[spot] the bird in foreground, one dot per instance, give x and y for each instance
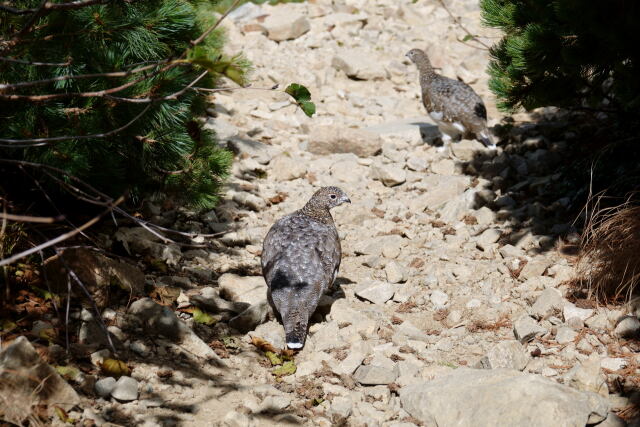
(300, 260)
(452, 104)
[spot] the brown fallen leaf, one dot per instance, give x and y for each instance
(263, 345)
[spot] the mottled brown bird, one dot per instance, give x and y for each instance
(300, 260)
(452, 104)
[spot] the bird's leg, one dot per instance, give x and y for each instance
(446, 141)
(486, 139)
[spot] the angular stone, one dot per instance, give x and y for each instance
(443, 167)
(439, 299)
(628, 327)
(359, 65)
(487, 238)
(389, 175)
(377, 292)
(467, 149)
(247, 289)
(155, 318)
(286, 168)
(534, 268)
(209, 299)
(526, 328)
(27, 380)
(375, 375)
(105, 386)
(565, 335)
(249, 319)
(570, 311)
(549, 303)
(395, 272)
(285, 25)
(333, 139)
(506, 354)
(126, 389)
(257, 150)
(478, 397)
(587, 376)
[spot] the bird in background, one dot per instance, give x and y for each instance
(453, 105)
(300, 261)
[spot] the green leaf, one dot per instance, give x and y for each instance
(308, 107)
(317, 401)
(203, 317)
(273, 358)
(7, 325)
(298, 92)
(287, 368)
(64, 417)
(68, 372)
(468, 37)
(302, 96)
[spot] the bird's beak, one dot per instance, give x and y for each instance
(345, 199)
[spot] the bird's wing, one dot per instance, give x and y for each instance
(456, 100)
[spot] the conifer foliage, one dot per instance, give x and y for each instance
(565, 53)
(106, 90)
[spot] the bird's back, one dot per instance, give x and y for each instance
(455, 100)
(300, 255)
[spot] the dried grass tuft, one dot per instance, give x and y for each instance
(608, 264)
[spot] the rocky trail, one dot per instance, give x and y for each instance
(452, 306)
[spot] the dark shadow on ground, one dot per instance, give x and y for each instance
(548, 168)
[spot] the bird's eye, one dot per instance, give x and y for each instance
(333, 196)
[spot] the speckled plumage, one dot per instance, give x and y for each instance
(452, 104)
(300, 260)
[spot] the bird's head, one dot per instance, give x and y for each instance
(330, 197)
(418, 57)
(322, 201)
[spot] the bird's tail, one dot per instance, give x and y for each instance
(295, 329)
(486, 138)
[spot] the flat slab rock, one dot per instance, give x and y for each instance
(26, 380)
(470, 397)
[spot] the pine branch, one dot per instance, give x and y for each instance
(75, 77)
(37, 142)
(36, 64)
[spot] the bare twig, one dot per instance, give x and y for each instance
(214, 26)
(37, 64)
(75, 77)
(52, 6)
(456, 20)
(60, 238)
(34, 142)
(171, 97)
(228, 89)
(26, 218)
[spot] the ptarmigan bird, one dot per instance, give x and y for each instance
(300, 260)
(452, 104)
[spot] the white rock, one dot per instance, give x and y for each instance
(628, 327)
(439, 299)
(390, 175)
(286, 168)
(505, 354)
(395, 272)
(374, 375)
(487, 238)
(285, 24)
(359, 65)
(377, 292)
(335, 139)
(126, 389)
(478, 397)
(613, 363)
(565, 335)
(526, 328)
(548, 304)
(105, 386)
(247, 289)
(570, 311)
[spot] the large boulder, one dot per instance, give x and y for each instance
(470, 397)
(334, 139)
(27, 381)
(97, 272)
